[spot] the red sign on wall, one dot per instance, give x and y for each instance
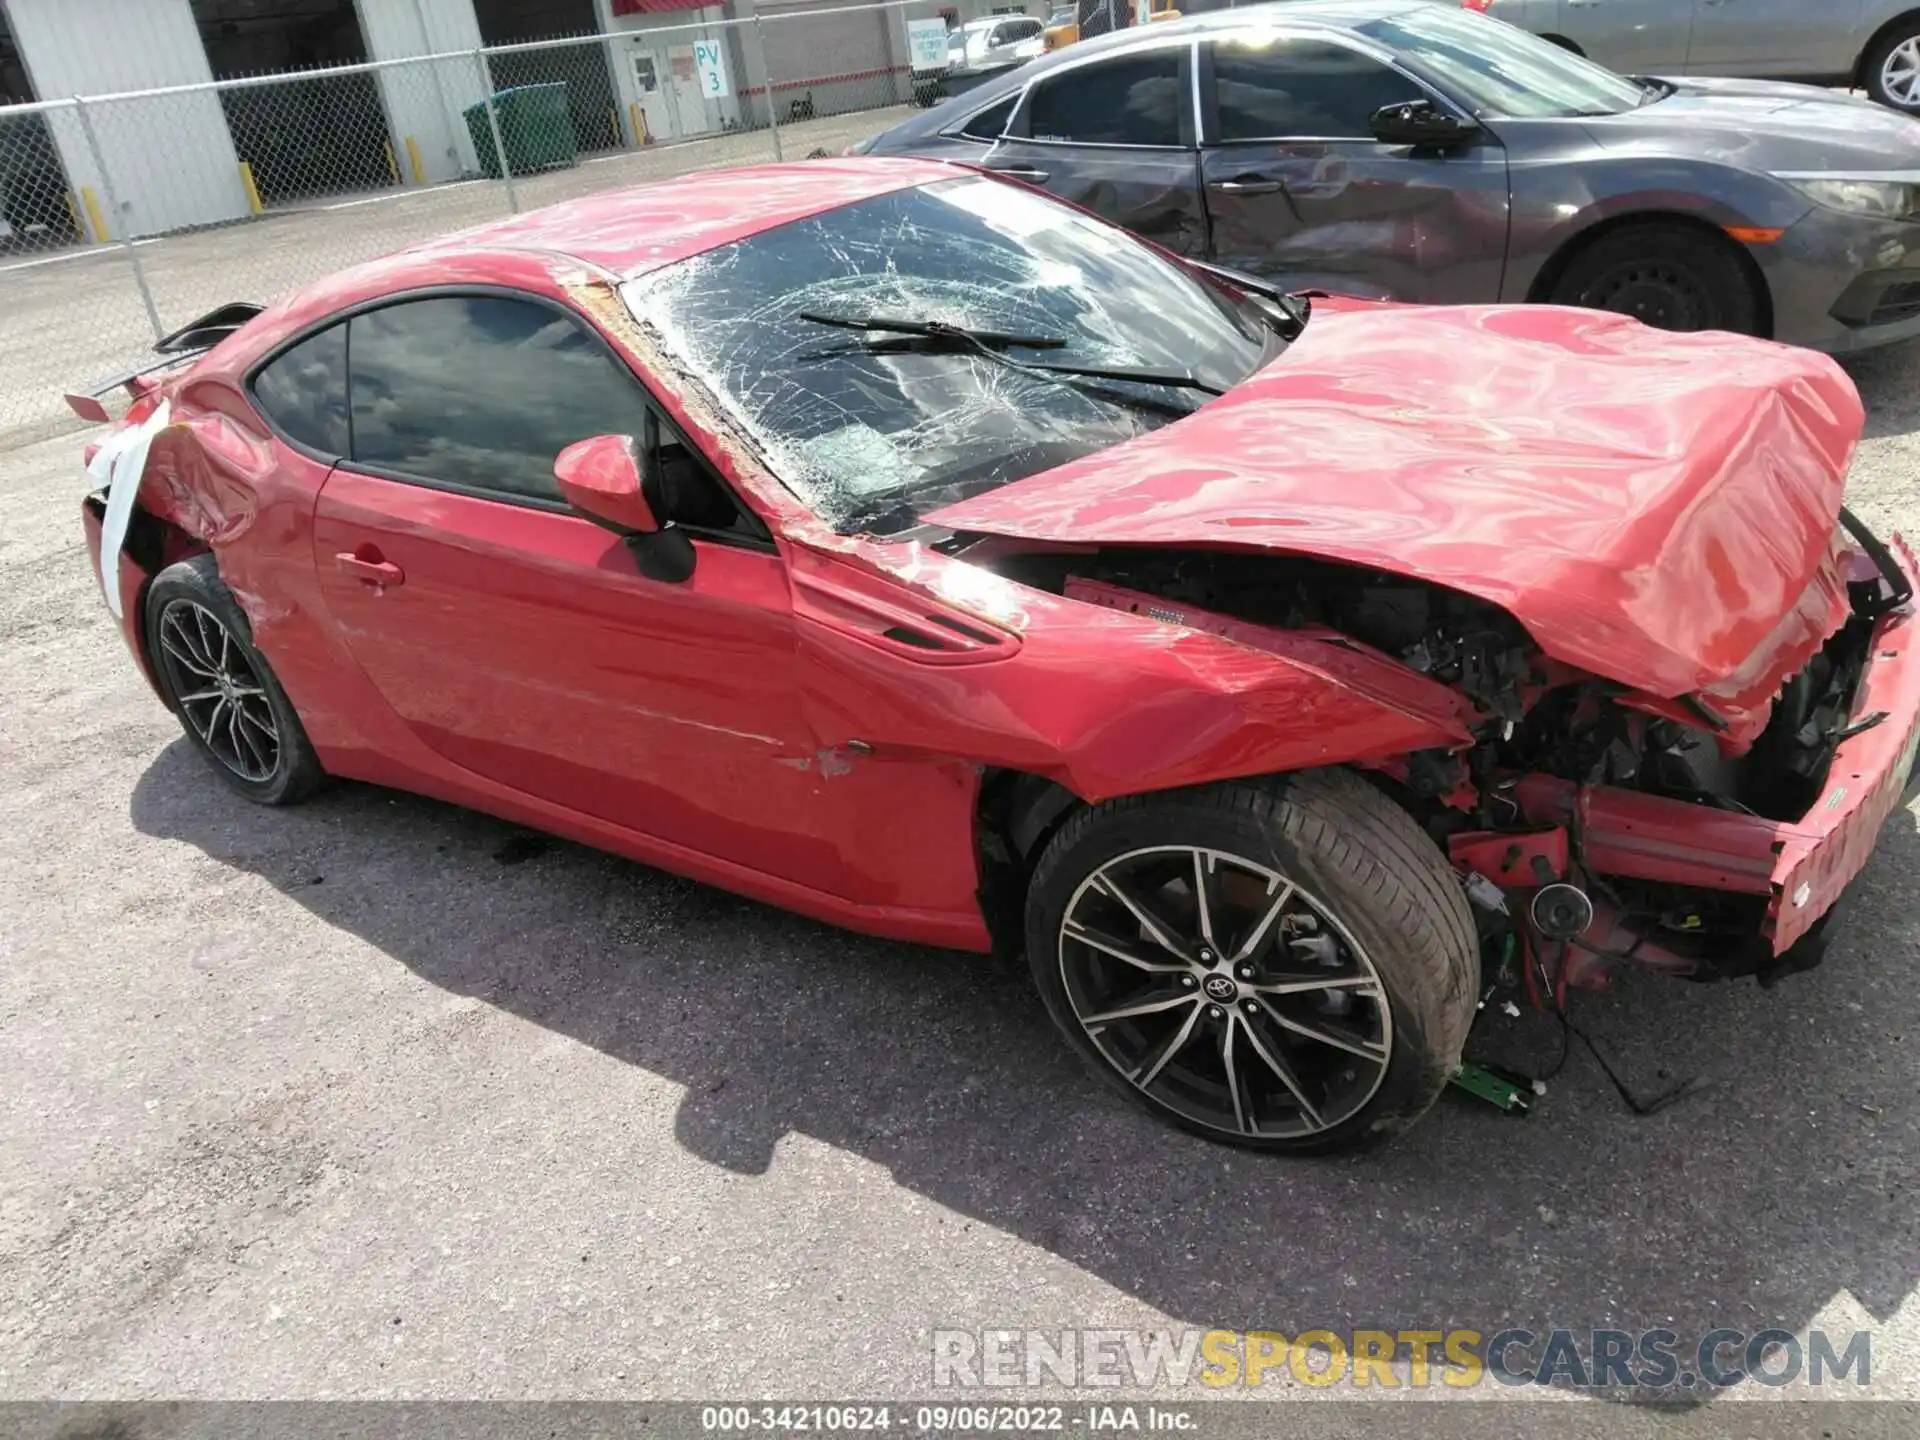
(654, 7)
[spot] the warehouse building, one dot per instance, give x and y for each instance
(134, 164)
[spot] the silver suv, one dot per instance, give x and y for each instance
(1870, 43)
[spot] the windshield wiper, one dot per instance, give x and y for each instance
(1294, 310)
(989, 343)
(935, 330)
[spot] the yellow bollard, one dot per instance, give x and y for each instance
(92, 202)
(73, 214)
(393, 169)
(640, 136)
(253, 193)
(413, 159)
(613, 123)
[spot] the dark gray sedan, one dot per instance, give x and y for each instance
(1423, 152)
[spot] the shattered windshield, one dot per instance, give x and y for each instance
(873, 428)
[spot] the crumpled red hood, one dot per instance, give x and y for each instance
(1650, 506)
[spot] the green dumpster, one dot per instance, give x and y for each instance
(535, 127)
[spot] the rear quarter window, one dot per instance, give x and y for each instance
(991, 122)
(1136, 100)
(303, 392)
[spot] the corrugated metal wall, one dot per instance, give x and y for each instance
(825, 63)
(96, 47)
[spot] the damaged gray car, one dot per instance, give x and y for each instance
(1410, 151)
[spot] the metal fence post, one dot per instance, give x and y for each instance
(493, 125)
(113, 209)
(766, 68)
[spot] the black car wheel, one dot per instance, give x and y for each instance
(1287, 965)
(1891, 68)
(1673, 277)
(228, 700)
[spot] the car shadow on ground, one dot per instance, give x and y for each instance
(1884, 379)
(1786, 1179)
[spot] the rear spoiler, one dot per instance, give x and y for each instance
(195, 338)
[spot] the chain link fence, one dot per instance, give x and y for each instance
(124, 216)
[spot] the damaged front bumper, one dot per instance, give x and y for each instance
(1801, 866)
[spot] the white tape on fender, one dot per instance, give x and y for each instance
(118, 465)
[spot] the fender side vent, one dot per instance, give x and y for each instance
(892, 616)
(900, 634)
(978, 636)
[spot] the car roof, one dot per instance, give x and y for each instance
(633, 231)
(1335, 13)
(1309, 14)
(1326, 14)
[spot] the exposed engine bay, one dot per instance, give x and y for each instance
(1548, 738)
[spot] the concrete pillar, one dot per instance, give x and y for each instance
(426, 100)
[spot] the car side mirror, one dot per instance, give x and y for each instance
(1420, 122)
(606, 480)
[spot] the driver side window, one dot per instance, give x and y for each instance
(695, 497)
(1301, 89)
(479, 394)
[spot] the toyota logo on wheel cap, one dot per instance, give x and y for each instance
(1219, 987)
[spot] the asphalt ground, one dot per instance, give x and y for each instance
(377, 1098)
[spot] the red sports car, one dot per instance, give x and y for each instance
(898, 545)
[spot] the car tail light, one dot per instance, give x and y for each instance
(1479, 6)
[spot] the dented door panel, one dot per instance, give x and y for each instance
(1153, 193)
(526, 646)
(1361, 218)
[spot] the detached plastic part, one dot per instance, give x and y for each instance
(117, 467)
(1510, 1094)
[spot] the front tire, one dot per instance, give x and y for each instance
(1891, 69)
(1287, 965)
(222, 689)
(1670, 276)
